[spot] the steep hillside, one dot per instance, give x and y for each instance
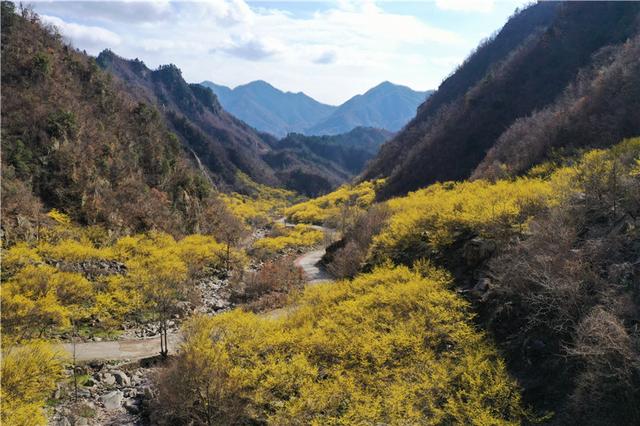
(271, 110)
(601, 107)
(386, 106)
(340, 156)
(74, 141)
(543, 53)
(223, 143)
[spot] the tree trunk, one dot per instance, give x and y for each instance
(162, 351)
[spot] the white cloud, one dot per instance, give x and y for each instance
(332, 53)
(326, 57)
(129, 11)
(254, 49)
(84, 35)
(466, 5)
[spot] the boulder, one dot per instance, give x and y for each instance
(109, 379)
(121, 378)
(131, 405)
(111, 400)
(81, 421)
(84, 392)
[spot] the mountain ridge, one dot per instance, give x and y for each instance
(539, 54)
(274, 111)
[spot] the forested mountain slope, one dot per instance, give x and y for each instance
(72, 139)
(222, 142)
(271, 110)
(226, 145)
(541, 55)
(345, 155)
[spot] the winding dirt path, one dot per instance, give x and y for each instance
(135, 349)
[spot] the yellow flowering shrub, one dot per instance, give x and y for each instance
(29, 375)
(263, 203)
(40, 295)
(432, 218)
(289, 237)
(330, 209)
(390, 347)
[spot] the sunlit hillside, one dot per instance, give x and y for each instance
(165, 263)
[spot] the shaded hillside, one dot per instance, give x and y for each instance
(601, 107)
(343, 156)
(526, 67)
(73, 140)
(271, 110)
(223, 143)
(386, 106)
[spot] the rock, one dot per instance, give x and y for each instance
(62, 421)
(97, 339)
(482, 285)
(112, 400)
(131, 405)
(109, 379)
(130, 392)
(146, 392)
(478, 250)
(81, 421)
(121, 378)
(96, 365)
(83, 392)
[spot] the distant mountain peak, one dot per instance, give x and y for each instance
(274, 111)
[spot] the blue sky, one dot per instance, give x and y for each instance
(329, 50)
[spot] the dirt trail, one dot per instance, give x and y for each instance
(134, 349)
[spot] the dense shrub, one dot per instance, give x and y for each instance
(389, 347)
(565, 300)
(66, 277)
(29, 376)
(336, 209)
(284, 237)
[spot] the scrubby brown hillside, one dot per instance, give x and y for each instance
(223, 143)
(528, 66)
(226, 145)
(73, 140)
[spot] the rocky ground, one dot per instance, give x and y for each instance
(108, 393)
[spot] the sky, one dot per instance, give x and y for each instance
(330, 50)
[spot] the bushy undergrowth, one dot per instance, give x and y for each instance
(392, 347)
(261, 205)
(29, 376)
(337, 208)
(68, 277)
(283, 237)
(558, 278)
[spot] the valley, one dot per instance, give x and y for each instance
(179, 253)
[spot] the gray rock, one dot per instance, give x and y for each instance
(131, 405)
(109, 379)
(112, 400)
(81, 421)
(84, 392)
(62, 421)
(96, 365)
(121, 378)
